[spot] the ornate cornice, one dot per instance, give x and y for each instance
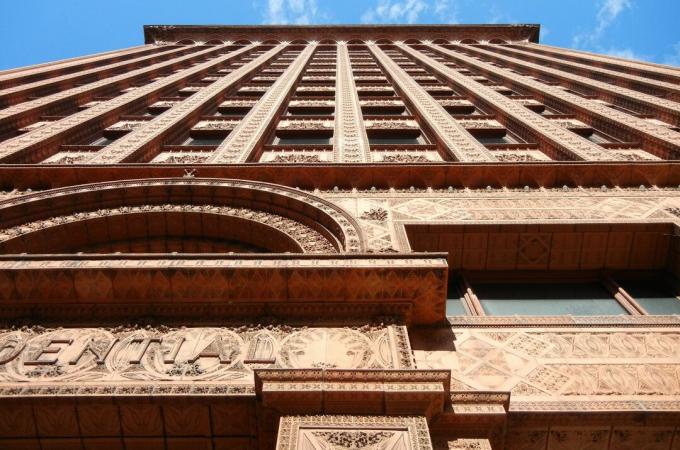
(205, 33)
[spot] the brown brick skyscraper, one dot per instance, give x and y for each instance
(340, 237)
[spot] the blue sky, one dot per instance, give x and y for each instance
(34, 31)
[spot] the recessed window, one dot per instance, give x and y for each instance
(655, 297)
(454, 304)
(202, 141)
(547, 299)
(102, 141)
(396, 140)
(496, 139)
(303, 140)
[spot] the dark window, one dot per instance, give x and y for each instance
(385, 140)
(303, 140)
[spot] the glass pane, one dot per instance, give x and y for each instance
(203, 141)
(547, 299)
(394, 141)
(454, 307)
(654, 296)
(303, 141)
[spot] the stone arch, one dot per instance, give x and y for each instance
(215, 42)
(469, 41)
(440, 42)
(299, 42)
(224, 214)
(412, 42)
(497, 41)
(186, 42)
(356, 42)
(271, 42)
(242, 42)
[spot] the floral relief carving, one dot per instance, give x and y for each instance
(310, 240)
(296, 158)
(405, 158)
(352, 439)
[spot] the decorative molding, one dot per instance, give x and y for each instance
(460, 144)
(241, 143)
(554, 135)
(350, 142)
(338, 223)
(135, 355)
(136, 144)
(353, 432)
(306, 238)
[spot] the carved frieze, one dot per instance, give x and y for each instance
(144, 355)
(611, 366)
(304, 124)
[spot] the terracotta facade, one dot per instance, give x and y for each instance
(328, 237)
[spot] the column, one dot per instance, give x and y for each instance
(350, 141)
(142, 140)
(460, 144)
(248, 134)
(13, 150)
(549, 133)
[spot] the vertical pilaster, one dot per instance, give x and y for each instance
(635, 82)
(16, 94)
(17, 115)
(460, 144)
(350, 141)
(549, 133)
(12, 77)
(248, 134)
(659, 139)
(142, 141)
(17, 148)
(652, 70)
(665, 109)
